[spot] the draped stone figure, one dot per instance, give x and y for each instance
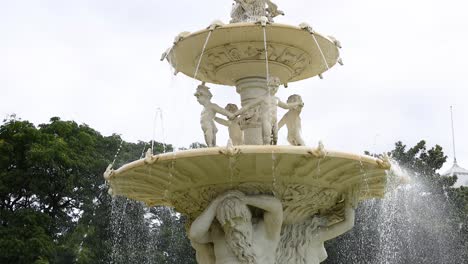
(229, 232)
(303, 243)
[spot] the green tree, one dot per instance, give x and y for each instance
(45, 174)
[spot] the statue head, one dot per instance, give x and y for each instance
(295, 98)
(203, 94)
(273, 84)
(232, 108)
(236, 220)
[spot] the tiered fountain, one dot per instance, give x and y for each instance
(253, 201)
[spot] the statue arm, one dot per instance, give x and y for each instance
(288, 106)
(204, 253)
(200, 228)
(282, 122)
(273, 216)
(221, 121)
(248, 107)
(220, 110)
(341, 227)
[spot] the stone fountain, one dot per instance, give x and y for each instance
(253, 201)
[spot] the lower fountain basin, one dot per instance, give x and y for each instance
(308, 180)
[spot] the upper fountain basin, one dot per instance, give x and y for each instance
(236, 51)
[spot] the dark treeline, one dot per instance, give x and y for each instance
(54, 206)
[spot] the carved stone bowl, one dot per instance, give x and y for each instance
(236, 51)
(307, 180)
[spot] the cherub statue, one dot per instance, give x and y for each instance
(208, 114)
(238, 13)
(267, 108)
(292, 120)
(235, 133)
(273, 11)
(253, 10)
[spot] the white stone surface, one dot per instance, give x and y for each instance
(292, 120)
(258, 115)
(237, 51)
(254, 10)
(235, 234)
(236, 135)
(255, 204)
(307, 180)
(303, 242)
(208, 114)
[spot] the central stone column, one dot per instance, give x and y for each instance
(250, 89)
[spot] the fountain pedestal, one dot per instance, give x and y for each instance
(250, 89)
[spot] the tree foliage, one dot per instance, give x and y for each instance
(54, 205)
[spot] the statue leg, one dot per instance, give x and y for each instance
(210, 138)
(266, 131)
(274, 133)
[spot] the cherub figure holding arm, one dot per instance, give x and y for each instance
(268, 111)
(208, 114)
(292, 120)
(235, 133)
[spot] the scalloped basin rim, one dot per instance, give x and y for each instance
(246, 149)
(234, 51)
(249, 24)
(307, 180)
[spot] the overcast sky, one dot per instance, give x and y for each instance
(97, 62)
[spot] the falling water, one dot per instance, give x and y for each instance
(171, 176)
(167, 195)
(158, 113)
(117, 152)
(413, 226)
(232, 162)
(317, 168)
(201, 55)
(117, 216)
(266, 55)
(134, 239)
(154, 129)
(364, 177)
(163, 134)
(273, 170)
(321, 52)
(410, 225)
(144, 150)
(267, 70)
